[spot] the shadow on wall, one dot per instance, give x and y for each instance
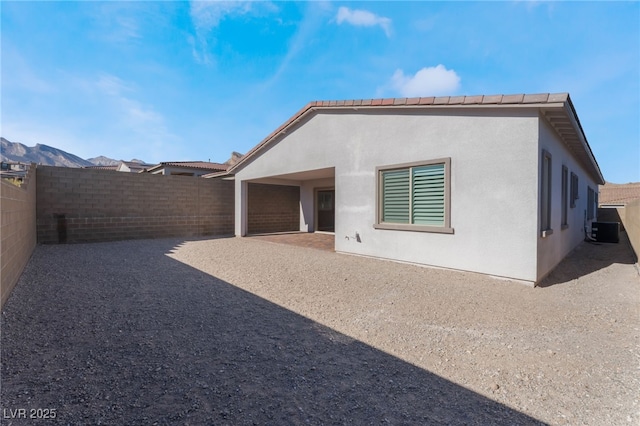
(590, 257)
(122, 333)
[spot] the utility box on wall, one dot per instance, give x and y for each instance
(606, 232)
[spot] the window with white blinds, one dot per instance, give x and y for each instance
(415, 196)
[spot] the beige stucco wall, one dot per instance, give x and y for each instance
(630, 216)
(18, 211)
(494, 181)
(553, 248)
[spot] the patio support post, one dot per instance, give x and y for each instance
(241, 211)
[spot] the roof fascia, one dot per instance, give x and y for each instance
(275, 135)
(154, 168)
(575, 122)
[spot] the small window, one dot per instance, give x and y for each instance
(565, 196)
(415, 197)
(545, 194)
(574, 190)
(591, 203)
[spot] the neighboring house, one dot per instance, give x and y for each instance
(132, 166)
(500, 185)
(186, 168)
(123, 166)
(14, 171)
(613, 201)
(618, 195)
(113, 167)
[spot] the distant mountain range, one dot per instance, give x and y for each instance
(50, 156)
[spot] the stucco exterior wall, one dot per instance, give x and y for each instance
(494, 200)
(553, 248)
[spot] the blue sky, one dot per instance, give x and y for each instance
(169, 81)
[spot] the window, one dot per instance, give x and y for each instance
(574, 189)
(545, 195)
(591, 203)
(415, 196)
(565, 195)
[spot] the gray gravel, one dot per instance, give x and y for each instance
(242, 331)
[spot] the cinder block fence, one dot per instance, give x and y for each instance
(66, 205)
(273, 208)
(18, 206)
(85, 205)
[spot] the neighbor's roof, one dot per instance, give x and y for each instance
(201, 165)
(111, 167)
(556, 107)
(619, 194)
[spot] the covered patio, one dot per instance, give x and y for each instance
(294, 202)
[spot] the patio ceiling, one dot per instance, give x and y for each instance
(328, 172)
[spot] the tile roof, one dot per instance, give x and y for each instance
(558, 110)
(613, 193)
(447, 100)
(203, 165)
(111, 167)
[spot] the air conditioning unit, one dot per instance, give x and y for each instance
(606, 232)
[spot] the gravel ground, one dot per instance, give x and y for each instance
(244, 331)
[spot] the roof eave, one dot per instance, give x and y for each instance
(546, 101)
(564, 120)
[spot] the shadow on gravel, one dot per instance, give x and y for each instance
(590, 257)
(119, 333)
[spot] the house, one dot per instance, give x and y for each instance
(503, 185)
(113, 167)
(132, 166)
(14, 171)
(616, 204)
(613, 195)
(186, 168)
(123, 166)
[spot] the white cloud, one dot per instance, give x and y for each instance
(141, 122)
(314, 18)
(207, 15)
(117, 22)
(431, 81)
(363, 18)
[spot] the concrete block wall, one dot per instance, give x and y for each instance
(18, 211)
(630, 216)
(85, 205)
(273, 208)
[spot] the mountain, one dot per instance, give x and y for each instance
(103, 161)
(106, 161)
(40, 154)
(50, 156)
